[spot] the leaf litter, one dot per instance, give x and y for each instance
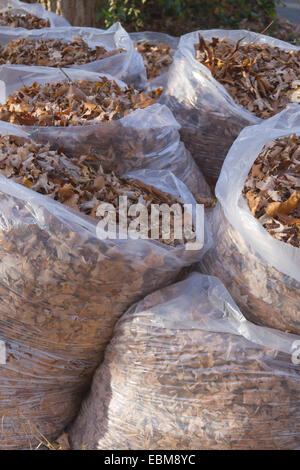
(261, 78)
(79, 182)
(157, 57)
(19, 20)
(52, 52)
(75, 103)
(272, 189)
(102, 104)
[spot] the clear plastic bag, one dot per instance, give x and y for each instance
(261, 273)
(156, 38)
(35, 9)
(127, 66)
(146, 138)
(62, 290)
(186, 370)
(210, 118)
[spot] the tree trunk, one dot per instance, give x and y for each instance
(77, 12)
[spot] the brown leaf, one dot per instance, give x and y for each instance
(157, 57)
(283, 207)
(253, 202)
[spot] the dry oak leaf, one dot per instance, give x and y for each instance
(286, 207)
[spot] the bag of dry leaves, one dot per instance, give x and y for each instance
(256, 224)
(185, 370)
(107, 51)
(157, 50)
(86, 112)
(63, 284)
(16, 14)
(222, 81)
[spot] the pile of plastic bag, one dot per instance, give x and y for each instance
(62, 290)
(176, 365)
